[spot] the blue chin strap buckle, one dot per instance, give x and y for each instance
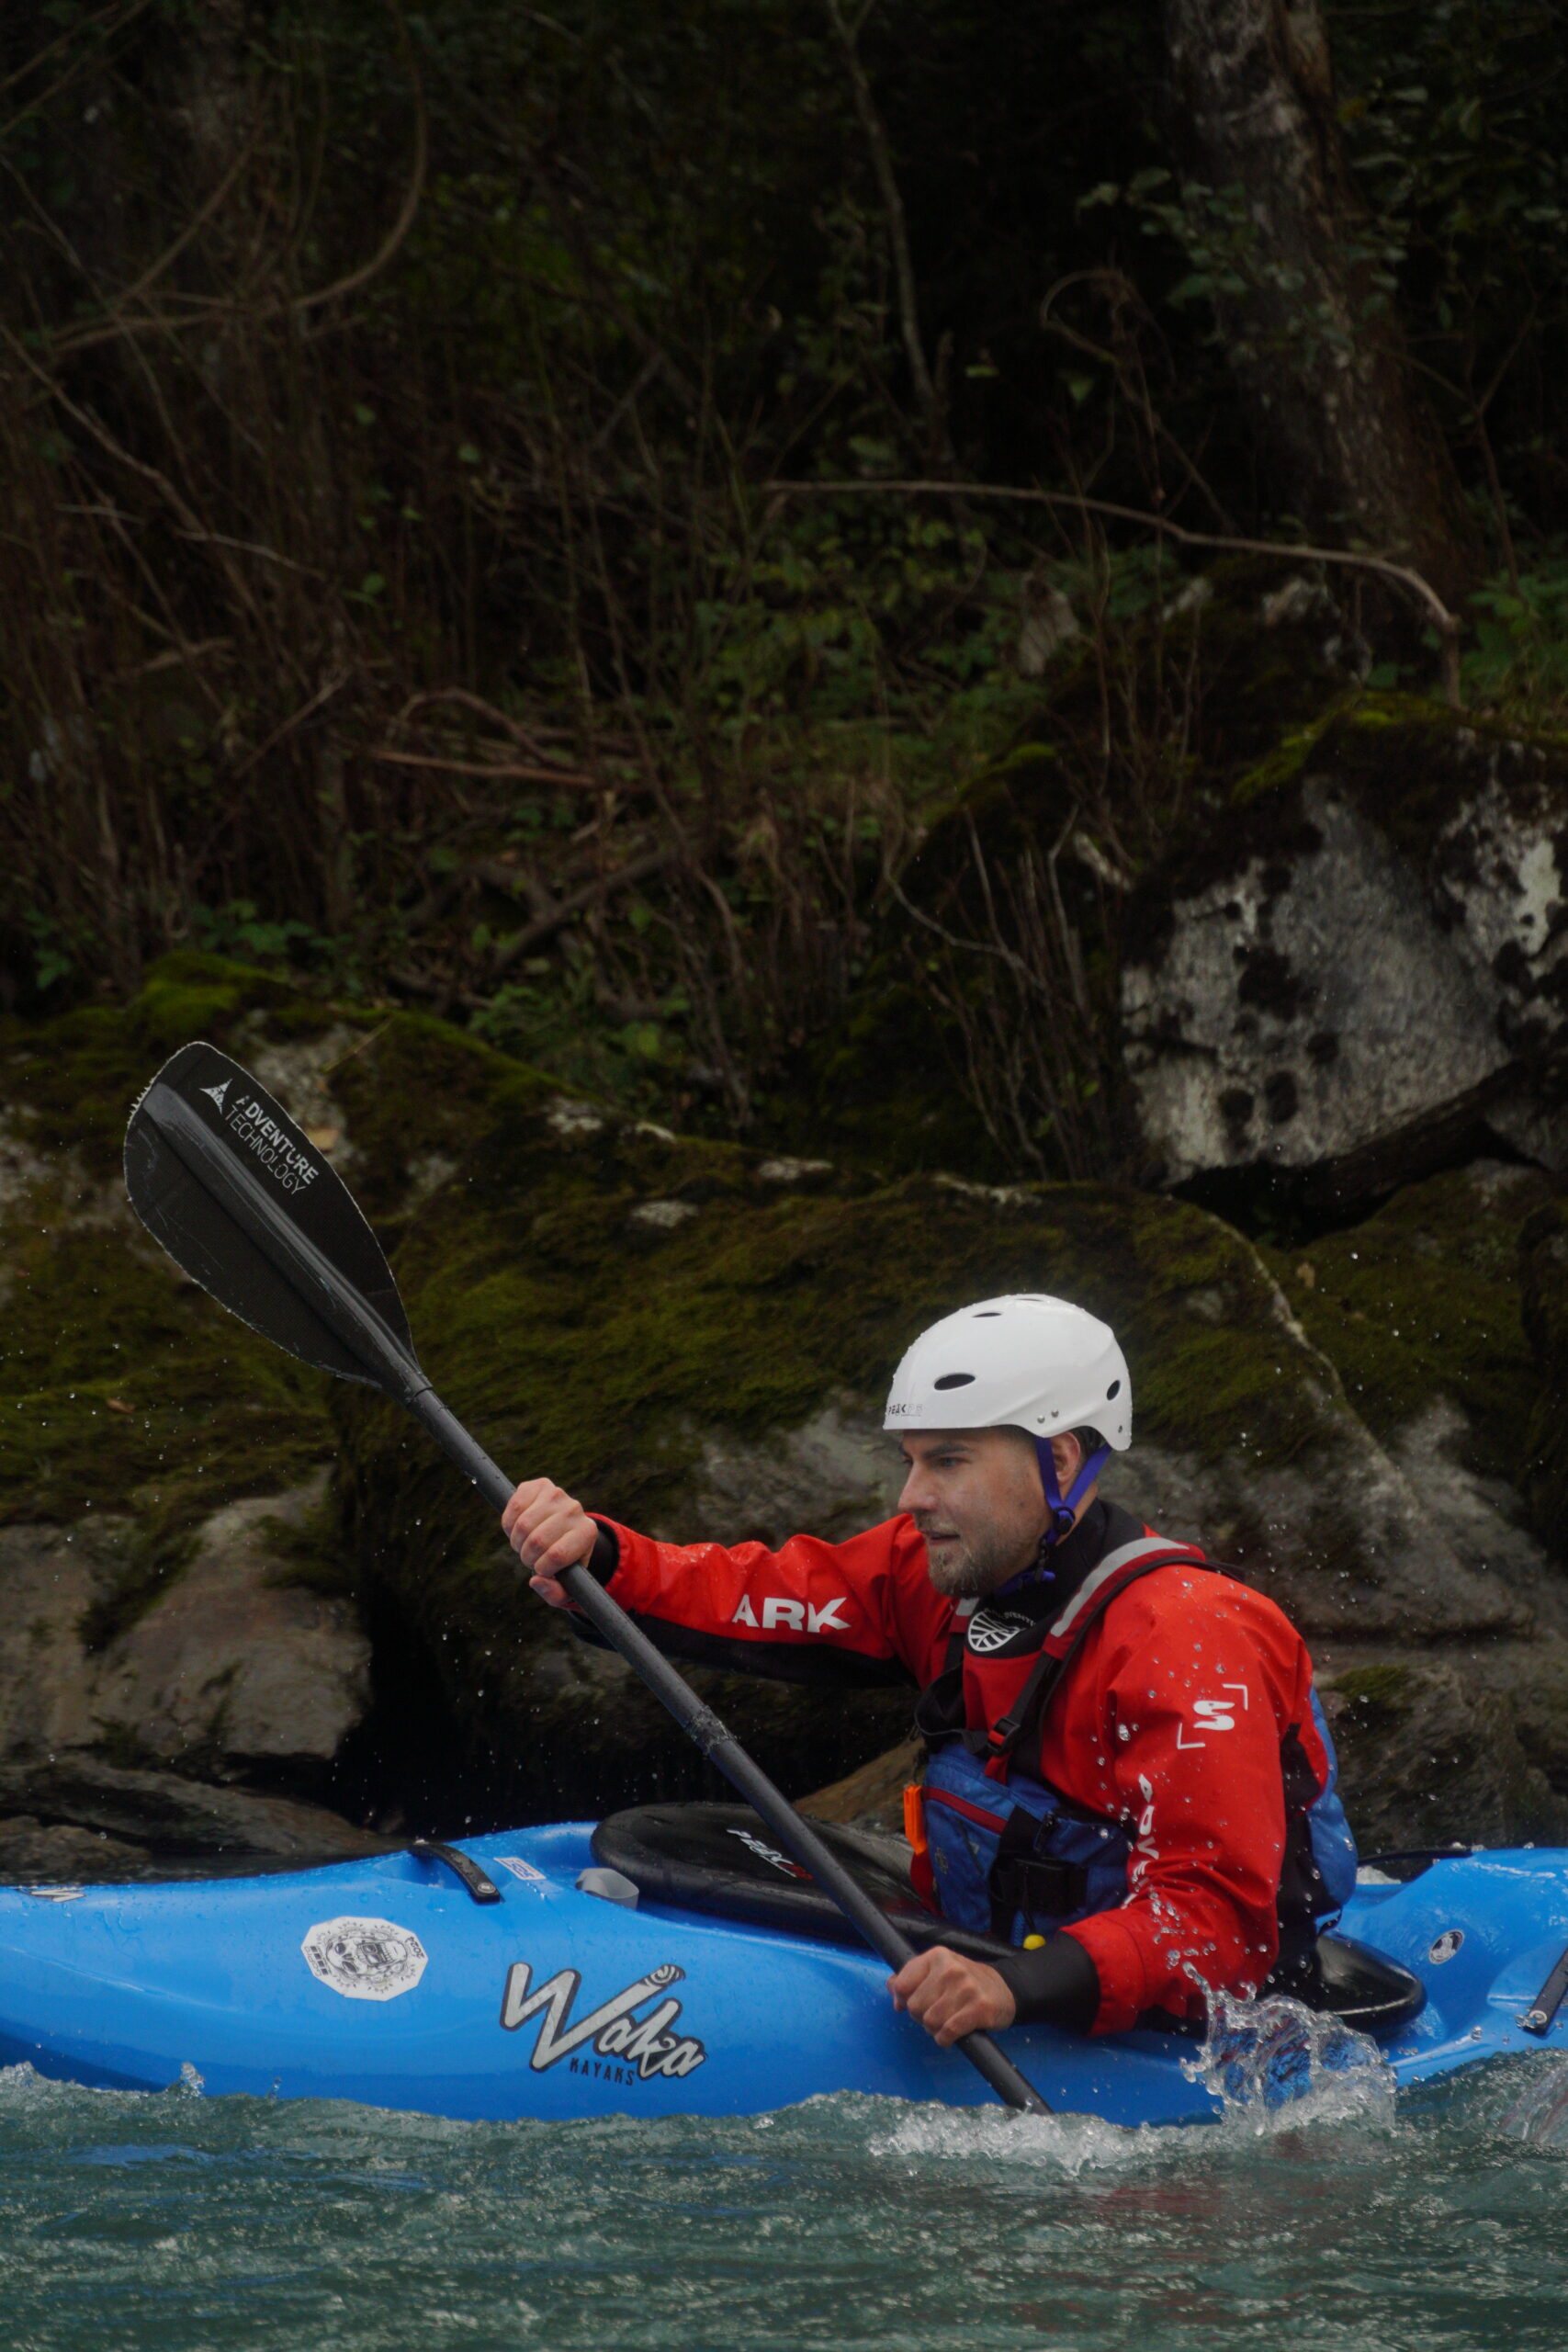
(1064, 1507)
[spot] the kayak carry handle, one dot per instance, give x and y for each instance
(463, 1867)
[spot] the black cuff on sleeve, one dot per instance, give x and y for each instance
(1057, 1984)
(605, 1557)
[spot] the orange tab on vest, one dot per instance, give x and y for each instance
(922, 1877)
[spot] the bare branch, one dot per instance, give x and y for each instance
(897, 225)
(533, 934)
(1447, 624)
(410, 203)
(515, 770)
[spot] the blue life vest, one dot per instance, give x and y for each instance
(1018, 1858)
(1012, 1856)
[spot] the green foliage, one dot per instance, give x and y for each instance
(1228, 258)
(52, 958)
(1517, 662)
(300, 628)
(1455, 113)
(238, 928)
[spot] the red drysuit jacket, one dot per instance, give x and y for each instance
(1170, 1722)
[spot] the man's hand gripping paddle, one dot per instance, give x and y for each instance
(247, 1206)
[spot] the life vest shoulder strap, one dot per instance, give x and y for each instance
(1067, 1634)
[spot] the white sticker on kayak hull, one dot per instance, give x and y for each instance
(364, 1959)
(524, 1871)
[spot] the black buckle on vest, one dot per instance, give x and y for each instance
(1044, 1890)
(1040, 1886)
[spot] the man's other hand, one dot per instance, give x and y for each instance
(950, 1996)
(549, 1531)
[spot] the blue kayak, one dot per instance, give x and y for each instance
(397, 1982)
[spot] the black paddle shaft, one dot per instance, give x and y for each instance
(722, 1748)
(244, 1203)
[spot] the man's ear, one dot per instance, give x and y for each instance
(1069, 1456)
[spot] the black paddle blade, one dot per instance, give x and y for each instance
(248, 1206)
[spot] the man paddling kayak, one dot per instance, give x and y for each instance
(1129, 1776)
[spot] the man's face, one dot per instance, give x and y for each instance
(976, 1497)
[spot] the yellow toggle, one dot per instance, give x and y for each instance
(1034, 1943)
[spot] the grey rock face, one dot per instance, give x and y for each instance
(232, 1667)
(1354, 971)
(34, 1852)
(1430, 1758)
(836, 1473)
(50, 1578)
(1351, 1556)
(229, 1668)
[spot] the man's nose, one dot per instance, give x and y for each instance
(918, 1493)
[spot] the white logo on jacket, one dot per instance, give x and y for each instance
(991, 1631)
(795, 1616)
(1214, 1715)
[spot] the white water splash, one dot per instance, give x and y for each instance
(1275, 2064)
(1271, 2066)
(1538, 2114)
(1068, 2144)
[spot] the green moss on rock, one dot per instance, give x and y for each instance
(1428, 1758)
(608, 1303)
(582, 1342)
(123, 1388)
(1423, 1301)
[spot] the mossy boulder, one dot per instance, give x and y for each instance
(696, 1338)
(1359, 966)
(698, 1345)
(161, 1467)
(1430, 1757)
(1420, 1310)
(123, 1389)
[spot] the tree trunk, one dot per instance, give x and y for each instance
(1349, 443)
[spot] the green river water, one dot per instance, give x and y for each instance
(177, 2222)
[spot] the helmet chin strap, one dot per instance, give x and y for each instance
(1063, 1509)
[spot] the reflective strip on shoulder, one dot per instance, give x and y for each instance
(1148, 1549)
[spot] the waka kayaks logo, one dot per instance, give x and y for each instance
(611, 2042)
(364, 1959)
(260, 1132)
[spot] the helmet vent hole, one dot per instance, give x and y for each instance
(953, 1380)
(987, 1315)
(1114, 1389)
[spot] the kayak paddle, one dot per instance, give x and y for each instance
(250, 1208)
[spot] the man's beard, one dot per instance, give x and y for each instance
(968, 1571)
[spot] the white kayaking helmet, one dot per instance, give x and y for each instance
(1021, 1362)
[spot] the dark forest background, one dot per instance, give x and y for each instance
(561, 516)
